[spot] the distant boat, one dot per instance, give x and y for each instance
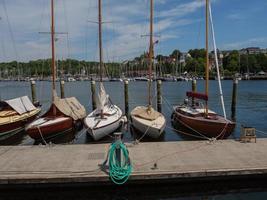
(116, 80)
(141, 78)
(169, 79)
(107, 117)
(64, 114)
(196, 116)
(71, 79)
(15, 114)
(221, 77)
(145, 118)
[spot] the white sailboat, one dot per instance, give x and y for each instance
(107, 117)
(145, 118)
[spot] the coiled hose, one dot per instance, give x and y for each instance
(119, 172)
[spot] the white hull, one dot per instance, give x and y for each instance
(99, 128)
(152, 128)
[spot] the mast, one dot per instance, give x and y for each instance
(150, 55)
(207, 54)
(100, 37)
(53, 51)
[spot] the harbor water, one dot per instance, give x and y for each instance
(251, 103)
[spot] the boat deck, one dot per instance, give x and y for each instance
(164, 161)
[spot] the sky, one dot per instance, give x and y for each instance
(178, 24)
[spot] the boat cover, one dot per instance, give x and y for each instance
(102, 97)
(144, 113)
(21, 105)
(70, 107)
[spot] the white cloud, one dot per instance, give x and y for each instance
(260, 41)
(122, 38)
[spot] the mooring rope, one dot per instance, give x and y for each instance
(40, 132)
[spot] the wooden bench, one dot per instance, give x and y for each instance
(247, 134)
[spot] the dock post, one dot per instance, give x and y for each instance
(118, 150)
(62, 92)
(33, 90)
(126, 97)
(234, 99)
(159, 97)
(93, 95)
(194, 89)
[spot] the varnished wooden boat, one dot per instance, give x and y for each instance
(199, 119)
(195, 121)
(63, 116)
(49, 125)
(13, 121)
(63, 113)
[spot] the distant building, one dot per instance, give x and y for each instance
(183, 58)
(252, 50)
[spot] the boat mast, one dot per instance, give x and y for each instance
(207, 55)
(150, 55)
(100, 37)
(53, 51)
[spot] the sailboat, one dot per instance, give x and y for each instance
(196, 116)
(107, 117)
(144, 118)
(64, 114)
(15, 114)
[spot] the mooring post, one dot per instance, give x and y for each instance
(62, 92)
(126, 97)
(118, 149)
(159, 97)
(194, 89)
(93, 95)
(33, 90)
(234, 99)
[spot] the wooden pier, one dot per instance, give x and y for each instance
(152, 162)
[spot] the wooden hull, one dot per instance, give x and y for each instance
(218, 128)
(45, 128)
(50, 125)
(10, 129)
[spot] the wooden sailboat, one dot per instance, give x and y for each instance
(197, 117)
(63, 114)
(107, 117)
(14, 115)
(145, 118)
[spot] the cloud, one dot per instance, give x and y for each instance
(122, 38)
(259, 41)
(236, 16)
(182, 9)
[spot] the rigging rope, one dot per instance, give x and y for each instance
(217, 63)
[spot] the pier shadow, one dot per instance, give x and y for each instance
(240, 188)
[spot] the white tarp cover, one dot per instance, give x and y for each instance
(70, 107)
(102, 97)
(21, 105)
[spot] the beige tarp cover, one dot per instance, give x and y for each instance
(145, 114)
(71, 107)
